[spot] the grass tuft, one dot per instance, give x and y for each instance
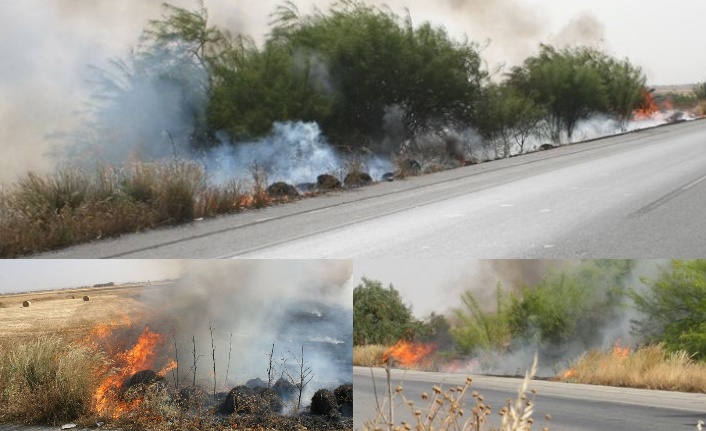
(648, 367)
(47, 380)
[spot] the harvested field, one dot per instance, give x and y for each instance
(55, 312)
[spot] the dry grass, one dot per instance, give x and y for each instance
(46, 380)
(39, 213)
(369, 355)
(54, 312)
(649, 367)
(451, 409)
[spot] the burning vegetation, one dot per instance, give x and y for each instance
(595, 321)
(143, 370)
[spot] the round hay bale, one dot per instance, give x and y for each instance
(281, 189)
(86, 298)
(284, 388)
(323, 402)
(269, 400)
(344, 393)
(258, 400)
(357, 179)
(192, 397)
(142, 378)
(344, 398)
(388, 176)
(327, 182)
(73, 296)
(240, 399)
(26, 303)
(545, 147)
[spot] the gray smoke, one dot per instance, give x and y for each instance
(291, 304)
(51, 48)
(511, 275)
(295, 152)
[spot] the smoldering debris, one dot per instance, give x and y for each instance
(302, 307)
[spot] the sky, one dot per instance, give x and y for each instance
(26, 275)
(50, 48)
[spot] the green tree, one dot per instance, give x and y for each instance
(374, 61)
(379, 315)
(565, 82)
(477, 329)
(509, 118)
(674, 308)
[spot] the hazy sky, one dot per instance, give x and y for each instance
(23, 275)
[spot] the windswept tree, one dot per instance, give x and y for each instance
(574, 83)
(674, 308)
(370, 61)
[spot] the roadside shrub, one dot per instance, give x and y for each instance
(47, 380)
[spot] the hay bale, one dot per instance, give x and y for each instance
(243, 400)
(545, 147)
(86, 298)
(323, 402)
(192, 397)
(281, 189)
(357, 179)
(388, 176)
(344, 393)
(284, 388)
(327, 182)
(344, 398)
(26, 303)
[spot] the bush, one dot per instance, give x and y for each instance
(379, 315)
(48, 380)
(674, 307)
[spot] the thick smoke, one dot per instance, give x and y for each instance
(291, 304)
(295, 152)
(51, 50)
(511, 275)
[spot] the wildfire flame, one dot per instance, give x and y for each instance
(620, 352)
(140, 357)
(407, 353)
(648, 108)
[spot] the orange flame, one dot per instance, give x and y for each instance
(140, 357)
(647, 108)
(407, 353)
(620, 352)
(569, 374)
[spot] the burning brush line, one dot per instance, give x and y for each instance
(154, 364)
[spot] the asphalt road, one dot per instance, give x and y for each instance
(639, 195)
(573, 407)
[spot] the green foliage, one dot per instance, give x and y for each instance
(345, 69)
(572, 303)
(509, 117)
(700, 91)
(674, 308)
(379, 315)
(574, 83)
(479, 329)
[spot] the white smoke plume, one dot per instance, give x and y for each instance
(295, 152)
(50, 48)
(289, 303)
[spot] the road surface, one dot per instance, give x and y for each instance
(573, 407)
(638, 195)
